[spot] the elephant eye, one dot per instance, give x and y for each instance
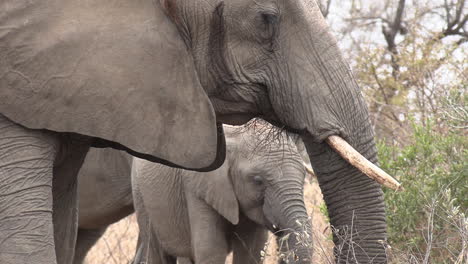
(269, 18)
(268, 24)
(258, 180)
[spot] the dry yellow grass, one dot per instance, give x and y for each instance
(117, 246)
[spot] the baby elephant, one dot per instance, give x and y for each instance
(204, 216)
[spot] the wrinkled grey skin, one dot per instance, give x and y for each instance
(32, 213)
(278, 58)
(205, 215)
(104, 194)
(274, 59)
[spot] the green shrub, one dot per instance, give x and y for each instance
(428, 219)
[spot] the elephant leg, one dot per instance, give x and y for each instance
(26, 171)
(208, 232)
(138, 258)
(247, 242)
(168, 259)
(85, 241)
(142, 249)
(184, 261)
(149, 249)
(65, 195)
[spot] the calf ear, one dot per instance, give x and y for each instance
(216, 189)
(118, 71)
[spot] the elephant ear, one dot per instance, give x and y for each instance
(216, 189)
(117, 71)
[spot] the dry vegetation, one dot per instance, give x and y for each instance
(118, 244)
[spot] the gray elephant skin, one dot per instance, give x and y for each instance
(104, 195)
(154, 78)
(205, 215)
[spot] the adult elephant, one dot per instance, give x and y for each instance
(153, 78)
(205, 215)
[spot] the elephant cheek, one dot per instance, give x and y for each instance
(257, 215)
(270, 214)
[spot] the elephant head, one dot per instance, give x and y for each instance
(278, 60)
(262, 179)
(154, 77)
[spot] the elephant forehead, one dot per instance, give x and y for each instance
(257, 165)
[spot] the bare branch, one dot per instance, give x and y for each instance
(390, 32)
(456, 25)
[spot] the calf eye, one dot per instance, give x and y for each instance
(258, 180)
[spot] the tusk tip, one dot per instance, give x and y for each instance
(351, 155)
(309, 170)
(394, 185)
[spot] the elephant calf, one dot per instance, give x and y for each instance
(204, 216)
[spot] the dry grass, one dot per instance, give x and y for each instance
(117, 246)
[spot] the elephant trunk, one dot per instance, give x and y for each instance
(355, 202)
(285, 209)
(295, 241)
(325, 101)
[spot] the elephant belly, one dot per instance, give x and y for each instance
(95, 218)
(104, 208)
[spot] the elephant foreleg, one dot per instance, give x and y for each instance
(184, 261)
(26, 168)
(247, 242)
(149, 249)
(65, 195)
(85, 241)
(210, 244)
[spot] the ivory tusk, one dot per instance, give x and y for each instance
(309, 170)
(360, 162)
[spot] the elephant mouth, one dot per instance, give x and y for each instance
(274, 229)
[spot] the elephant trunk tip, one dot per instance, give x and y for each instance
(360, 162)
(295, 242)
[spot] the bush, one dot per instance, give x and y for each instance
(427, 222)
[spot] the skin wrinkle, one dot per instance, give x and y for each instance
(320, 67)
(238, 73)
(282, 186)
(26, 208)
(343, 192)
(318, 115)
(345, 211)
